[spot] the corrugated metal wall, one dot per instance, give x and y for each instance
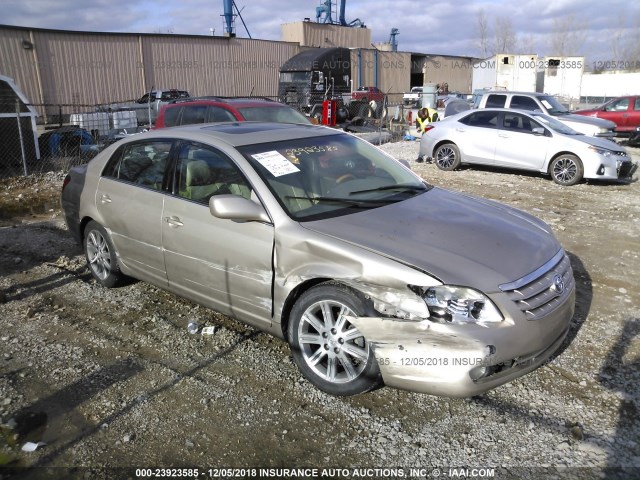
(393, 69)
(457, 72)
(95, 68)
(312, 34)
(19, 63)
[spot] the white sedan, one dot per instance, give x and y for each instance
(523, 140)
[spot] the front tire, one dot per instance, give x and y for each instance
(101, 256)
(566, 170)
(447, 157)
(329, 351)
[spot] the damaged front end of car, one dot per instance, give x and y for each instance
(464, 342)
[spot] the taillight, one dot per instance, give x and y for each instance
(428, 127)
(67, 179)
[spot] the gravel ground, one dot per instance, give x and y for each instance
(111, 378)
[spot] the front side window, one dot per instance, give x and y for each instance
(202, 172)
(496, 101)
(335, 175)
(621, 105)
(524, 103)
(141, 163)
(519, 123)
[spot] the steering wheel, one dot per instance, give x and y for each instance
(345, 177)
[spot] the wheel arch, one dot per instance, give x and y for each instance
(300, 289)
(547, 167)
(445, 142)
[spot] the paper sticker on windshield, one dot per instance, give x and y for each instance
(276, 163)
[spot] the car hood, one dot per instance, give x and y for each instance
(598, 122)
(459, 239)
(599, 142)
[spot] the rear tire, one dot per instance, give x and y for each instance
(566, 170)
(329, 351)
(447, 157)
(101, 256)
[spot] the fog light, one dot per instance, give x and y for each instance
(600, 170)
(479, 372)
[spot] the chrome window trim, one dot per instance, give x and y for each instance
(557, 258)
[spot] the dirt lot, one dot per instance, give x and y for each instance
(111, 378)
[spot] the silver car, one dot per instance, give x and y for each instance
(311, 234)
(524, 140)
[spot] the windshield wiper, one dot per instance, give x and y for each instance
(364, 203)
(411, 188)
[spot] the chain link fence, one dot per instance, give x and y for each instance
(39, 138)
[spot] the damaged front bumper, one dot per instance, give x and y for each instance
(462, 360)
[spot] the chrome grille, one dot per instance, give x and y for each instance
(538, 297)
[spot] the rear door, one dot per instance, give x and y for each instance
(517, 145)
(130, 200)
(476, 136)
(224, 264)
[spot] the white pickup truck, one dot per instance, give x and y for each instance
(147, 106)
(548, 105)
(414, 97)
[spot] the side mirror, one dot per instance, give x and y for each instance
(538, 131)
(235, 207)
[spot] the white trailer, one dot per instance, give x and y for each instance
(563, 76)
(506, 71)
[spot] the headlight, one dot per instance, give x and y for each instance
(601, 151)
(461, 305)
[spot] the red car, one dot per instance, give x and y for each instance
(366, 94)
(218, 109)
(623, 111)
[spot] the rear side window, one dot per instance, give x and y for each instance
(496, 101)
(219, 114)
(481, 119)
(141, 163)
(193, 114)
(524, 103)
(171, 116)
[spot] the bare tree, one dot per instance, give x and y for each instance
(482, 39)
(506, 40)
(567, 36)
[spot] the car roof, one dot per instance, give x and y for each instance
(238, 134)
(511, 92)
(235, 101)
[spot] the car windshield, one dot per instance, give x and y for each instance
(556, 125)
(273, 114)
(553, 106)
(333, 175)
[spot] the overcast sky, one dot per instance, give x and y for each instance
(435, 26)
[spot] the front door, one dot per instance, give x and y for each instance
(223, 264)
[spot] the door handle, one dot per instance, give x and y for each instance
(460, 129)
(174, 222)
(503, 135)
(104, 198)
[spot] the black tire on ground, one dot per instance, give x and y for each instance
(101, 256)
(447, 157)
(329, 351)
(566, 169)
